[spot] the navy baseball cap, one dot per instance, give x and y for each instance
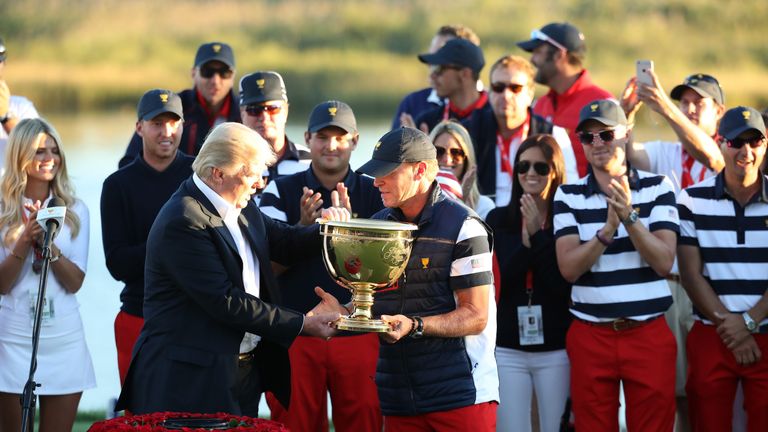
(459, 52)
(159, 101)
(705, 85)
(332, 113)
(561, 35)
(262, 86)
(397, 146)
(605, 111)
(738, 120)
(215, 51)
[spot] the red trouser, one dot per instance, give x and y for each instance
(713, 375)
(345, 367)
(642, 358)
(127, 330)
(476, 418)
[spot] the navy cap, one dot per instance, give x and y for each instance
(606, 111)
(215, 51)
(737, 120)
(705, 85)
(397, 146)
(561, 35)
(332, 113)
(262, 86)
(159, 101)
(460, 52)
(2, 49)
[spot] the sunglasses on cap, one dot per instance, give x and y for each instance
(499, 87)
(540, 35)
(754, 142)
(457, 154)
(439, 69)
(606, 136)
(523, 166)
(207, 71)
(256, 110)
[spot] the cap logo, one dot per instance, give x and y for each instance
(216, 48)
(378, 144)
(593, 107)
(164, 97)
(746, 114)
(332, 111)
(260, 83)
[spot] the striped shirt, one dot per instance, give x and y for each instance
(732, 240)
(620, 284)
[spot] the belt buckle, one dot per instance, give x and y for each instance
(620, 324)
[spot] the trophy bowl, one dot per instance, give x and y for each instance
(365, 255)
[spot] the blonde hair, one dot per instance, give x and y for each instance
(470, 193)
(21, 150)
(514, 62)
(231, 147)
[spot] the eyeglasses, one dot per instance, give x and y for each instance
(606, 136)
(256, 110)
(499, 87)
(457, 154)
(753, 142)
(540, 35)
(523, 166)
(207, 71)
(439, 69)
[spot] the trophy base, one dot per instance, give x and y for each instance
(364, 325)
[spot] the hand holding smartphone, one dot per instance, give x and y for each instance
(643, 69)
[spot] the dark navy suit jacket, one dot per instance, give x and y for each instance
(196, 310)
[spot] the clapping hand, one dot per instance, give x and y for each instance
(620, 198)
(311, 205)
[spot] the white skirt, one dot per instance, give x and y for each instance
(64, 364)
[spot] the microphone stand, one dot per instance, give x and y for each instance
(28, 397)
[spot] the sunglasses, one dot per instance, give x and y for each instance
(540, 35)
(256, 110)
(753, 142)
(606, 136)
(499, 87)
(439, 69)
(523, 166)
(207, 71)
(456, 153)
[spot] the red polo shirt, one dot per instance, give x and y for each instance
(563, 110)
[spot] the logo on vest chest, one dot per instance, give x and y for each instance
(425, 263)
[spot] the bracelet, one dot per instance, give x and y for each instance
(414, 325)
(56, 258)
(13, 254)
(603, 240)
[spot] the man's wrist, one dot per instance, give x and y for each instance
(606, 241)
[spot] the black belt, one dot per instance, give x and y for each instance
(620, 324)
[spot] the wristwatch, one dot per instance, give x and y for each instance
(4, 119)
(631, 218)
(749, 322)
(418, 328)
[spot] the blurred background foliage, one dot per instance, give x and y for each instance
(86, 55)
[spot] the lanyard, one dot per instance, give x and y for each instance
(688, 161)
(504, 146)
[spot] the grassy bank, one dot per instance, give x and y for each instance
(93, 54)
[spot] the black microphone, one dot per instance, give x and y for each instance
(52, 217)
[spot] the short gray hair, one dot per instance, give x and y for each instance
(230, 147)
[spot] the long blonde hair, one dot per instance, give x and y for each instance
(22, 146)
(469, 188)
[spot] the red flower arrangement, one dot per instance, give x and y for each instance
(161, 422)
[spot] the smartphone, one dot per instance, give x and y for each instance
(643, 72)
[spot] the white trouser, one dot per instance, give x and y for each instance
(519, 373)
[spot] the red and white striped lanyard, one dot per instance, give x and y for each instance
(504, 146)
